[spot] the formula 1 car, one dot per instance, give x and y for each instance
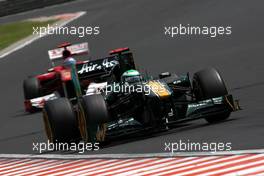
(155, 104)
(57, 82)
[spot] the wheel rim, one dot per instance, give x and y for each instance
(101, 133)
(82, 124)
(90, 132)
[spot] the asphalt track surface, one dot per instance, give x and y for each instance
(140, 25)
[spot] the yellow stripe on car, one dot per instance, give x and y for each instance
(158, 89)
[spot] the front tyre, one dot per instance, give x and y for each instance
(92, 116)
(207, 84)
(60, 121)
(31, 88)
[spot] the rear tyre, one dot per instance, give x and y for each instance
(31, 88)
(207, 84)
(60, 122)
(93, 114)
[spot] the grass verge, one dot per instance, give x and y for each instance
(13, 32)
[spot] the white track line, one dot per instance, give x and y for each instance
(146, 155)
(40, 9)
(33, 38)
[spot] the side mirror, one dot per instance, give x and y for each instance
(164, 75)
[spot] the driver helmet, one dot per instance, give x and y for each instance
(131, 76)
(66, 54)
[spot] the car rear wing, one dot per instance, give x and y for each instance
(113, 65)
(76, 49)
